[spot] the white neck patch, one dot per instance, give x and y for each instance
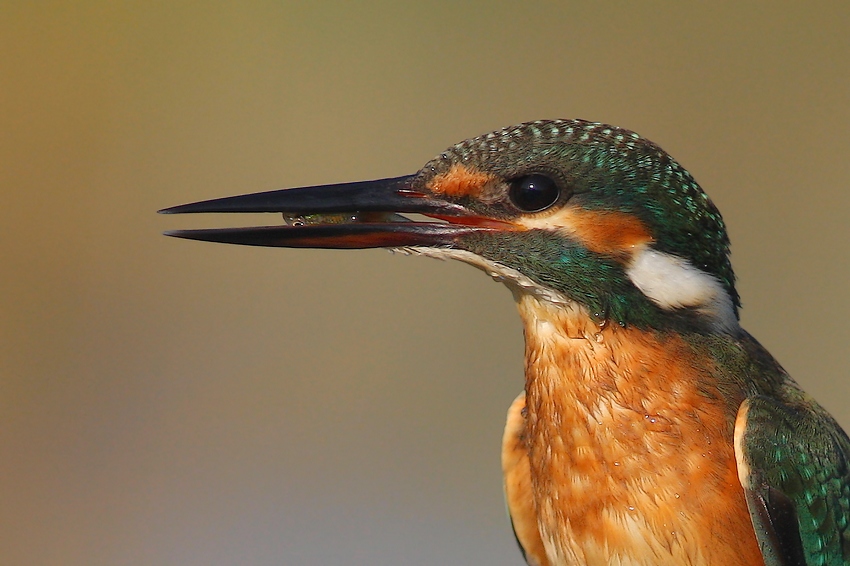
(667, 280)
(673, 283)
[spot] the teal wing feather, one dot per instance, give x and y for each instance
(794, 465)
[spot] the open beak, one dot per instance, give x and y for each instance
(366, 214)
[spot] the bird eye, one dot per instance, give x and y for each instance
(532, 193)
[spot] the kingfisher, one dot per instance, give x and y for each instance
(652, 428)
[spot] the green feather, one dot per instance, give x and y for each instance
(606, 168)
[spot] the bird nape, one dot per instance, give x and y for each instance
(652, 429)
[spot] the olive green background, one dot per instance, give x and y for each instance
(177, 403)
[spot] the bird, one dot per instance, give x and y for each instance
(652, 429)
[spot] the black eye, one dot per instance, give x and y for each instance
(533, 193)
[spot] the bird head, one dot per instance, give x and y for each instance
(571, 211)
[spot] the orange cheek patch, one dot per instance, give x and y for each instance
(460, 181)
(610, 232)
(603, 232)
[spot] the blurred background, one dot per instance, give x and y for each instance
(178, 403)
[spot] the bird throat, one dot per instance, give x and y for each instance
(629, 445)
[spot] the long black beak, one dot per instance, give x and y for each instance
(348, 215)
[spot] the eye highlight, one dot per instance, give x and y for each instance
(533, 193)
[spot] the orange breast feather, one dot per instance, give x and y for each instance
(629, 447)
